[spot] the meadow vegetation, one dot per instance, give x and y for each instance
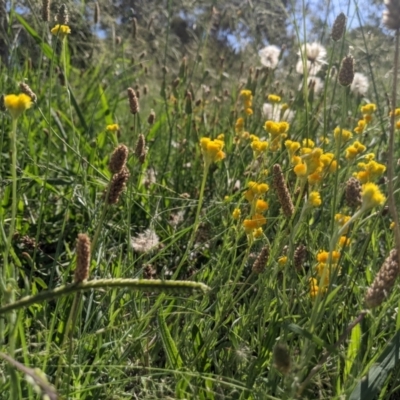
(189, 224)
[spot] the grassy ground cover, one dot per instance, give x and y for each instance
(198, 232)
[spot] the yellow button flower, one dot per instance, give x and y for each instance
(17, 104)
(61, 31)
(273, 98)
(112, 128)
(371, 196)
(236, 213)
(315, 199)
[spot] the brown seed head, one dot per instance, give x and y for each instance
(391, 16)
(151, 118)
(346, 73)
(62, 16)
(82, 258)
(140, 146)
(46, 10)
(282, 361)
(353, 193)
(118, 159)
(282, 191)
(339, 27)
(383, 282)
(133, 101)
(117, 185)
(28, 91)
(96, 15)
(261, 261)
(134, 28)
(145, 90)
(299, 257)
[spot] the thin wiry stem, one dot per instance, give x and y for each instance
(152, 285)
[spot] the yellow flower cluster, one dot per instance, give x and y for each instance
(239, 126)
(212, 150)
(396, 114)
(292, 148)
(273, 98)
(315, 199)
(247, 97)
(371, 196)
(369, 171)
(258, 146)
(17, 104)
(342, 135)
(253, 195)
(327, 265)
(277, 132)
(61, 31)
(354, 150)
(342, 219)
(367, 111)
(112, 128)
(313, 163)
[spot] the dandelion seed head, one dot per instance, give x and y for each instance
(269, 56)
(145, 241)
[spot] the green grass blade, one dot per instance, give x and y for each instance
(47, 50)
(370, 385)
(170, 348)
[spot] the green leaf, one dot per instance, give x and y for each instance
(353, 350)
(370, 385)
(47, 50)
(302, 332)
(170, 348)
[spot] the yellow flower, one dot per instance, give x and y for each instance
(323, 256)
(344, 241)
(396, 112)
(315, 199)
(314, 289)
(61, 31)
(17, 104)
(308, 143)
(300, 170)
(248, 111)
(257, 233)
(368, 118)
(371, 196)
(212, 150)
(112, 128)
(259, 146)
(257, 221)
(314, 178)
(236, 213)
(246, 94)
(261, 206)
(239, 125)
(361, 124)
(392, 225)
(368, 108)
(369, 171)
(273, 98)
(354, 150)
(342, 220)
(342, 134)
(282, 260)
